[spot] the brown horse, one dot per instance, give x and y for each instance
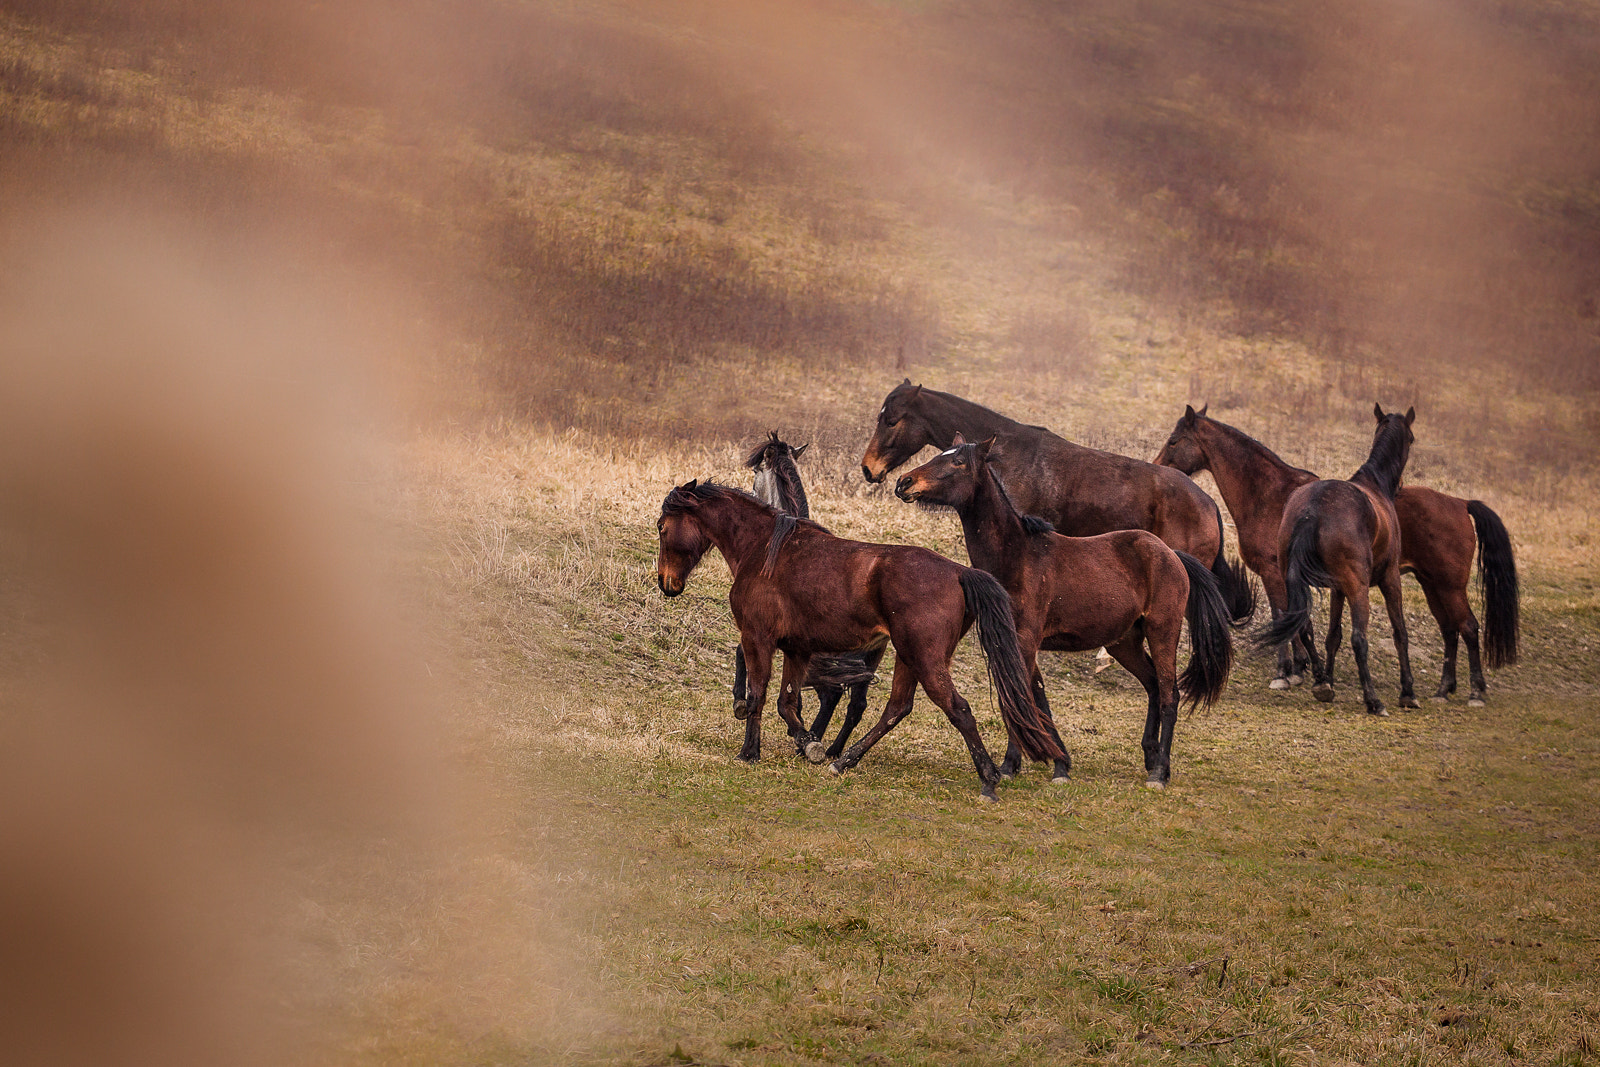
(801, 590)
(778, 483)
(1438, 535)
(1344, 536)
(1124, 590)
(1080, 491)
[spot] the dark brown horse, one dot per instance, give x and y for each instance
(777, 482)
(1438, 535)
(1344, 536)
(1080, 491)
(1126, 591)
(801, 590)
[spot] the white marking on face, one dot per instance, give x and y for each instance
(948, 452)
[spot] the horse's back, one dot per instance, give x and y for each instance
(1087, 491)
(1437, 536)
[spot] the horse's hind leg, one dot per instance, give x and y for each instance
(1448, 633)
(854, 710)
(942, 691)
(1389, 586)
(1360, 612)
(1156, 670)
(1323, 690)
(902, 689)
(1063, 767)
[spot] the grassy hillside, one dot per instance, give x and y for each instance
(577, 253)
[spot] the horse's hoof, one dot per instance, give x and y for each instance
(1379, 710)
(1409, 704)
(816, 752)
(1278, 683)
(1475, 702)
(1296, 679)
(1323, 692)
(1060, 779)
(1155, 783)
(837, 766)
(1442, 698)
(741, 710)
(988, 798)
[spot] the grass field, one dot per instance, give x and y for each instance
(1315, 887)
(574, 254)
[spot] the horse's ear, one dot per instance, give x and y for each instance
(796, 452)
(906, 382)
(1188, 413)
(1377, 411)
(688, 486)
(1204, 408)
(1411, 414)
(958, 440)
(917, 390)
(984, 446)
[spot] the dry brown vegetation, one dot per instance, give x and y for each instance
(575, 253)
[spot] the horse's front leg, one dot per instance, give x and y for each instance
(741, 691)
(794, 673)
(758, 667)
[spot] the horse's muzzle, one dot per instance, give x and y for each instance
(903, 490)
(661, 583)
(866, 472)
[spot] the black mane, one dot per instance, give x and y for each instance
(1391, 446)
(682, 498)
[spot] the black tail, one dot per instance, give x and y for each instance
(839, 672)
(988, 602)
(1497, 573)
(1301, 570)
(1233, 580)
(1210, 646)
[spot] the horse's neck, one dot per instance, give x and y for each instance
(739, 529)
(993, 529)
(1249, 475)
(953, 415)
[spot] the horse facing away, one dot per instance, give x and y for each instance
(1125, 590)
(1438, 535)
(1344, 536)
(778, 484)
(799, 589)
(1080, 491)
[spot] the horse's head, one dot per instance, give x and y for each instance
(1391, 448)
(950, 479)
(1182, 449)
(683, 541)
(769, 452)
(900, 434)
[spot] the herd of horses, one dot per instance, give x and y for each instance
(1072, 549)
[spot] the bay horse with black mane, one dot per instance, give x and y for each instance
(777, 483)
(1438, 536)
(800, 590)
(1344, 536)
(1125, 590)
(1080, 491)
